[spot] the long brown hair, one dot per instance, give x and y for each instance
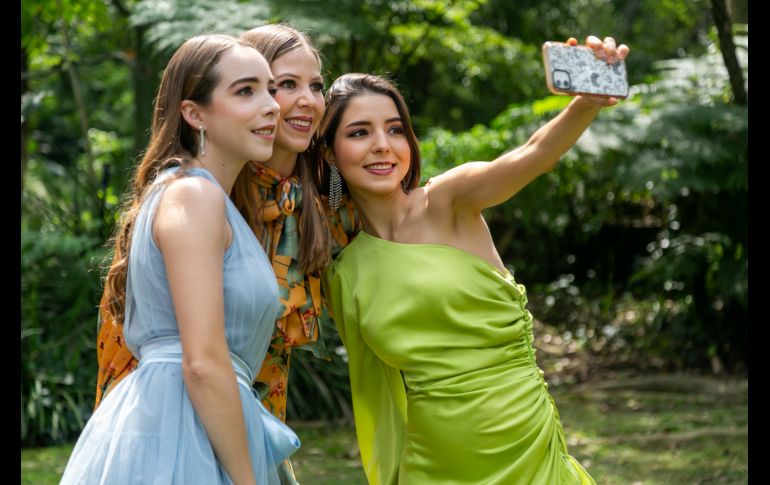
(275, 41)
(190, 74)
(342, 90)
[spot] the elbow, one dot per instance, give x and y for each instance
(199, 371)
(540, 156)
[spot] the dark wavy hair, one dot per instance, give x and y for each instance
(342, 90)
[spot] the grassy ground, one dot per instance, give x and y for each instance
(658, 430)
(640, 431)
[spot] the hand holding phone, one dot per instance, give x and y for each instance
(571, 70)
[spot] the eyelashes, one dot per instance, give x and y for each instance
(288, 84)
(393, 130)
(248, 91)
(292, 84)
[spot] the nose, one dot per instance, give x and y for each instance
(305, 95)
(381, 144)
(271, 107)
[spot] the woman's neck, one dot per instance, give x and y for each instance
(382, 216)
(283, 161)
(225, 173)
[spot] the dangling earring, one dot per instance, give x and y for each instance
(335, 188)
(202, 147)
(404, 186)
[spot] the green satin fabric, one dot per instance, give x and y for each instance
(472, 406)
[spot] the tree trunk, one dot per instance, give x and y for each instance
(77, 94)
(726, 45)
(630, 11)
(145, 80)
(739, 11)
(144, 76)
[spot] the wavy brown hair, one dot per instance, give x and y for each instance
(315, 242)
(342, 90)
(190, 74)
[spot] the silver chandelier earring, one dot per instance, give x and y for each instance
(202, 147)
(335, 188)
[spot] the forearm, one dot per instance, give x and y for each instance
(476, 186)
(214, 393)
(552, 140)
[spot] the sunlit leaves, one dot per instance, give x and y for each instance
(171, 22)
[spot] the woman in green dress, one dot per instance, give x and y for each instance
(444, 380)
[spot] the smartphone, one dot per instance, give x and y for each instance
(576, 70)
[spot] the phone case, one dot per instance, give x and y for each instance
(577, 70)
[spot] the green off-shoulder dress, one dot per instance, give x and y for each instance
(442, 370)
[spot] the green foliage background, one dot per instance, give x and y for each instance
(635, 247)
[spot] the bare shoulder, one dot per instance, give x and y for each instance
(454, 176)
(446, 188)
(190, 206)
(195, 191)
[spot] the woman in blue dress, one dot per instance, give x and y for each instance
(194, 288)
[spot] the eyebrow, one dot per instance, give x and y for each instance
(364, 123)
(254, 80)
(297, 76)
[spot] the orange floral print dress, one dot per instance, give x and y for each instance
(299, 293)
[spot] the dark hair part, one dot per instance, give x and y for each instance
(274, 41)
(342, 90)
(190, 74)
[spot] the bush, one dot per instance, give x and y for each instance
(58, 331)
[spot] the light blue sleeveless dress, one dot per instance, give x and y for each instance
(146, 430)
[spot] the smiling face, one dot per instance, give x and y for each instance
(299, 93)
(241, 115)
(371, 149)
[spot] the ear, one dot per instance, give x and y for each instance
(192, 114)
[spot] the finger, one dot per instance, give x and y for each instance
(598, 47)
(599, 101)
(610, 49)
(593, 41)
(622, 51)
(572, 41)
(604, 102)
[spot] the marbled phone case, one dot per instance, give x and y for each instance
(577, 70)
